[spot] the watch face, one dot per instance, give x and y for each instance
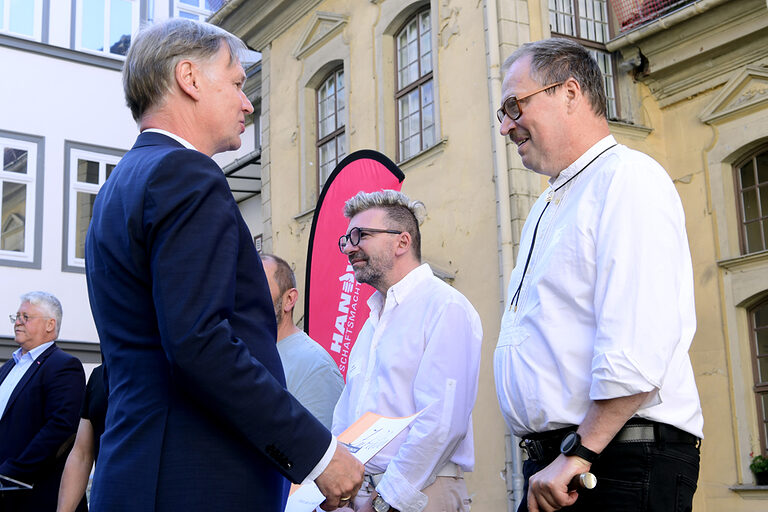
(570, 442)
(379, 505)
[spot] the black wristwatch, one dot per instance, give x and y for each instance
(571, 445)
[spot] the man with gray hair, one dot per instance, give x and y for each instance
(592, 366)
(199, 418)
(419, 350)
(41, 391)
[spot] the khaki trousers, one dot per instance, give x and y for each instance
(445, 494)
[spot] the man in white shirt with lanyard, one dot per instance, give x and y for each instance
(592, 366)
(418, 350)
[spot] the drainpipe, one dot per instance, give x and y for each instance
(513, 459)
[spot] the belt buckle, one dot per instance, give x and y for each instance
(534, 449)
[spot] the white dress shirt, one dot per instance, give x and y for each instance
(22, 363)
(606, 307)
(418, 349)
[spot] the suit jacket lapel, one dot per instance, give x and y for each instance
(6, 369)
(31, 371)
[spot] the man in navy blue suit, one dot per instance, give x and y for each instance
(198, 417)
(41, 391)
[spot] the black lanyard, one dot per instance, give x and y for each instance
(516, 296)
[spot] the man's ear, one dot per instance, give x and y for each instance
(573, 93)
(289, 299)
(50, 325)
(403, 243)
(187, 74)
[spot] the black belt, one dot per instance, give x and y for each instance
(545, 446)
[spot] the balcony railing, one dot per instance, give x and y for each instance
(633, 13)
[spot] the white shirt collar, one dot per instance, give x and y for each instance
(175, 137)
(401, 289)
(34, 353)
(580, 162)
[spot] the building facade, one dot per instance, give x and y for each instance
(419, 80)
(63, 127)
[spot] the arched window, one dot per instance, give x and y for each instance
(752, 190)
(414, 95)
(331, 120)
(758, 319)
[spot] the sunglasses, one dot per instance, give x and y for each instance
(511, 106)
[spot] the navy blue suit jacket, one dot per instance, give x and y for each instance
(198, 415)
(38, 427)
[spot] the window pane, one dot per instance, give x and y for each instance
(190, 2)
(762, 342)
(189, 15)
(15, 160)
(12, 216)
(120, 16)
(110, 168)
(87, 171)
(761, 317)
(747, 174)
(21, 19)
(750, 204)
(341, 147)
(83, 214)
(762, 167)
(754, 240)
(92, 29)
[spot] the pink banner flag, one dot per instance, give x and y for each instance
(335, 304)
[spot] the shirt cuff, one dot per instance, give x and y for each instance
(616, 374)
(399, 493)
(323, 462)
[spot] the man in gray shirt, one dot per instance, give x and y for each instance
(310, 372)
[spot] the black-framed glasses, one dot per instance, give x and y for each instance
(354, 235)
(511, 106)
(24, 318)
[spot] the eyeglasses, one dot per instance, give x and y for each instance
(356, 233)
(23, 317)
(511, 106)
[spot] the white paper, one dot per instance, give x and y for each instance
(364, 439)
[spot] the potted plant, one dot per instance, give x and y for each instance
(759, 467)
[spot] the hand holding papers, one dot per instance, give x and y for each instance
(364, 439)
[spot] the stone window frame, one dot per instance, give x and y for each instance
(339, 133)
(762, 214)
(392, 17)
(761, 386)
(70, 262)
(597, 48)
(422, 80)
(33, 220)
(138, 10)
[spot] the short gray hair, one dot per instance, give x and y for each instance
(48, 302)
(152, 57)
(556, 60)
(402, 213)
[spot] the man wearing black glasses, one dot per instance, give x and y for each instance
(419, 349)
(591, 366)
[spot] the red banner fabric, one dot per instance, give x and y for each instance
(335, 304)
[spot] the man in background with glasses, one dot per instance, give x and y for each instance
(418, 350)
(41, 391)
(592, 366)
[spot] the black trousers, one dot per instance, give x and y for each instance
(635, 477)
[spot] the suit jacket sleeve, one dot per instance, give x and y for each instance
(196, 243)
(62, 382)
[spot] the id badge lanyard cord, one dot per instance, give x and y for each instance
(516, 296)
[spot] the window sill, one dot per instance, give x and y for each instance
(304, 216)
(755, 258)
(625, 129)
(750, 491)
(418, 158)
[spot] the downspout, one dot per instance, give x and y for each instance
(513, 459)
